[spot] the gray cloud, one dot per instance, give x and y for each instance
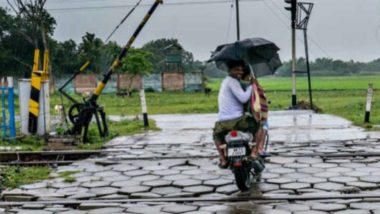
(345, 29)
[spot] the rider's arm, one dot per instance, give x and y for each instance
(239, 93)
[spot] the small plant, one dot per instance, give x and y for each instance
(60, 130)
(69, 179)
(67, 176)
(18, 176)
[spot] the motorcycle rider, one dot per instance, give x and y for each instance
(231, 114)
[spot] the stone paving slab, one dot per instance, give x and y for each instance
(221, 181)
(121, 175)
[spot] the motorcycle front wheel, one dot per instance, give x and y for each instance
(243, 178)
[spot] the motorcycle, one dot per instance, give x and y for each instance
(238, 152)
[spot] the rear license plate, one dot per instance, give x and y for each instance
(236, 151)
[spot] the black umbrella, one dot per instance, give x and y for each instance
(259, 53)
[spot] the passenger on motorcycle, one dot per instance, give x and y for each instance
(231, 114)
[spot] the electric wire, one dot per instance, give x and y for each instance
(299, 39)
(310, 37)
(275, 14)
(147, 5)
(105, 42)
(194, 3)
(123, 20)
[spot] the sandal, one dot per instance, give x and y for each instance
(264, 154)
(222, 166)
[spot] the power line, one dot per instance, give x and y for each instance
(148, 5)
(123, 20)
(283, 22)
(275, 14)
(310, 37)
(188, 3)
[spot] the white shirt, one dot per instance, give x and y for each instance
(231, 99)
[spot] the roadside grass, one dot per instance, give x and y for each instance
(25, 143)
(13, 176)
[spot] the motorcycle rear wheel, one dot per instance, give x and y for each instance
(243, 178)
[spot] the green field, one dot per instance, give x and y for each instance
(318, 83)
(343, 96)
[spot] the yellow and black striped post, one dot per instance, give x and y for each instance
(36, 60)
(45, 68)
(34, 106)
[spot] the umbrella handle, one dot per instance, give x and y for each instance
(251, 71)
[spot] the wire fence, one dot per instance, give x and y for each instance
(193, 82)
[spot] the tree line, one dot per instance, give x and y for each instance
(318, 67)
(19, 37)
(32, 27)
(331, 67)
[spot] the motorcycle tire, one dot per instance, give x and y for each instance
(243, 178)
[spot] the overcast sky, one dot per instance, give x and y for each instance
(340, 29)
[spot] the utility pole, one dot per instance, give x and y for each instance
(300, 15)
(237, 20)
(304, 15)
(293, 10)
(308, 68)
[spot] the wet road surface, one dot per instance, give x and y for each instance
(159, 165)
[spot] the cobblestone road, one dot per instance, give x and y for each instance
(160, 165)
